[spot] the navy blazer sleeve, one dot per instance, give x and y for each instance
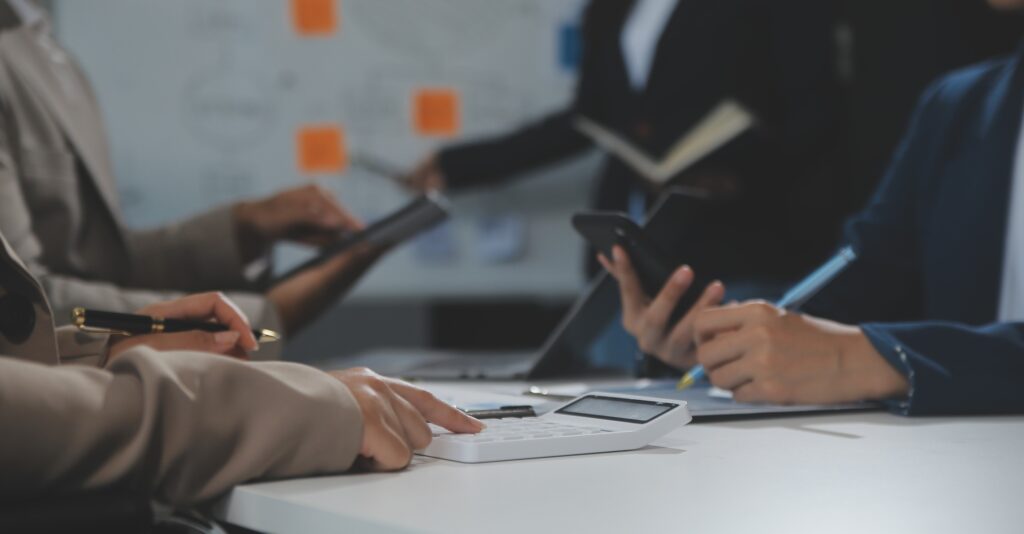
(954, 369)
(884, 283)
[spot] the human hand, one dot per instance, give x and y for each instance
(647, 319)
(765, 354)
(308, 214)
(395, 416)
(236, 341)
(427, 176)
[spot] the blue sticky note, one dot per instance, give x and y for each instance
(436, 245)
(501, 238)
(570, 46)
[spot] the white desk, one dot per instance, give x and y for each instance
(857, 473)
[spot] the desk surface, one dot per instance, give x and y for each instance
(856, 473)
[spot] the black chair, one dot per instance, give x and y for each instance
(107, 512)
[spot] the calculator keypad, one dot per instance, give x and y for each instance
(515, 429)
(559, 433)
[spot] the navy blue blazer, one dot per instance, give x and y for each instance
(926, 286)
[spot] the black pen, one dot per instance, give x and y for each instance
(127, 324)
(503, 412)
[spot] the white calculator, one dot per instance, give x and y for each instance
(595, 422)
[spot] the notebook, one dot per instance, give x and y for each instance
(725, 122)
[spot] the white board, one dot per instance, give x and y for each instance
(203, 100)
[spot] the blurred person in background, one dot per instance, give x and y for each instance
(60, 210)
(930, 317)
(651, 70)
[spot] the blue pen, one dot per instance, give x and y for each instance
(794, 298)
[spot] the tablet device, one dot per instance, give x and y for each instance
(423, 213)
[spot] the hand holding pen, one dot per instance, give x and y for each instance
(648, 319)
(793, 299)
(207, 322)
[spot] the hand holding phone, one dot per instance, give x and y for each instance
(605, 230)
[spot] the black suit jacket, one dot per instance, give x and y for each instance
(774, 56)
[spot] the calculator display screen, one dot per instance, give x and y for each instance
(616, 409)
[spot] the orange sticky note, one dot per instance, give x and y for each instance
(436, 111)
(315, 18)
(321, 149)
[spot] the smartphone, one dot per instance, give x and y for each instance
(652, 264)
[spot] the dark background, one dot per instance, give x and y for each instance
(888, 52)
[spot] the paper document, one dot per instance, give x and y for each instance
(719, 393)
(723, 124)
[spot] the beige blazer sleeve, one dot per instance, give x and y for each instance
(82, 348)
(152, 266)
(196, 254)
(183, 427)
(66, 292)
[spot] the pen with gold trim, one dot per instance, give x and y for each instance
(127, 324)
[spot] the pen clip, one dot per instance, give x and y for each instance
(109, 331)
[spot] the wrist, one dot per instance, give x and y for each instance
(866, 375)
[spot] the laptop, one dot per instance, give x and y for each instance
(563, 354)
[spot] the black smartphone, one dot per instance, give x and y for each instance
(652, 264)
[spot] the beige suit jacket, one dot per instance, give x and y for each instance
(180, 427)
(59, 206)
